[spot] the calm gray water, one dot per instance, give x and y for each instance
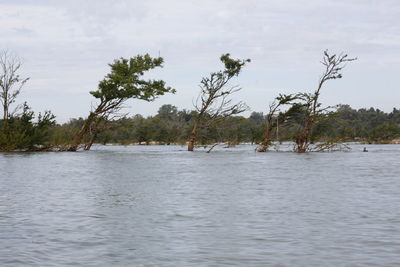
(163, 206)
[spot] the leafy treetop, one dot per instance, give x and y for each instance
(125, 80)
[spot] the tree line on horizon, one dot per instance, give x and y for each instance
(173, 126)
(299, 118)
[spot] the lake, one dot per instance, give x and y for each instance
(164, 206)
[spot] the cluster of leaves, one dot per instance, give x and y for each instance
(125, 80)
(214, 97)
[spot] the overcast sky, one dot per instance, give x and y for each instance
(66, 46)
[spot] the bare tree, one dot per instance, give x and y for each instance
(333, 65)
(10, 82)
(214, 102)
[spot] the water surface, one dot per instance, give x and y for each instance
(163, 206)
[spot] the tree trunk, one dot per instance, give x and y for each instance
(301, 144)
(303, 141)
(89, 144)
(5, 118)
(5, 111)
(267, 139)
(193, 135)
(80, 135)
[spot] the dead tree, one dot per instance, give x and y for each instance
(333, 65)
(214, 100)
(10, 82)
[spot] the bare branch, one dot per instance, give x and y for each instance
(10, 82)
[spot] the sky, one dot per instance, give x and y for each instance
(66, 47)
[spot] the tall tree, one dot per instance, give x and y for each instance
(11, 82)
(214, 100)
(125, 81)
(333, 65)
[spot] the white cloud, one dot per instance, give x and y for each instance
(67, 44)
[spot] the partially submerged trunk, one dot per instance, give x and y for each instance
(302, 144)
(82, 132)
(266, 143)
(89, 144)
(303, 140)
(273, 109)
(193, 135)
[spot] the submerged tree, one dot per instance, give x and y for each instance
(10, 82)
(273, 119)
(99, 125)
(333, 65)
(214, 100)
(125, 81)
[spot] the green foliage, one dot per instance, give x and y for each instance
(125, 80)
(62, 135)
(232, 66)
(172, 126)
(22, 133)
(214, 94)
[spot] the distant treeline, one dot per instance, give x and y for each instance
(173, 126)
(216, 118)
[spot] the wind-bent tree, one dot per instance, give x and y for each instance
(214, 100)
(125, 81)
(10, 82)
(272, 119)
(333, 65)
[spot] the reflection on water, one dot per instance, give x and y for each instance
(163, 206)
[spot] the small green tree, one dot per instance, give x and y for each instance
(125, 81)
(273, 119)
(213, 101)
(22, 133)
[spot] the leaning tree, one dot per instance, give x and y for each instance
(125, 81)
(273, 118)
(214, 102)
(333, 65)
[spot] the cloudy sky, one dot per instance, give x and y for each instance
(66, 46)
